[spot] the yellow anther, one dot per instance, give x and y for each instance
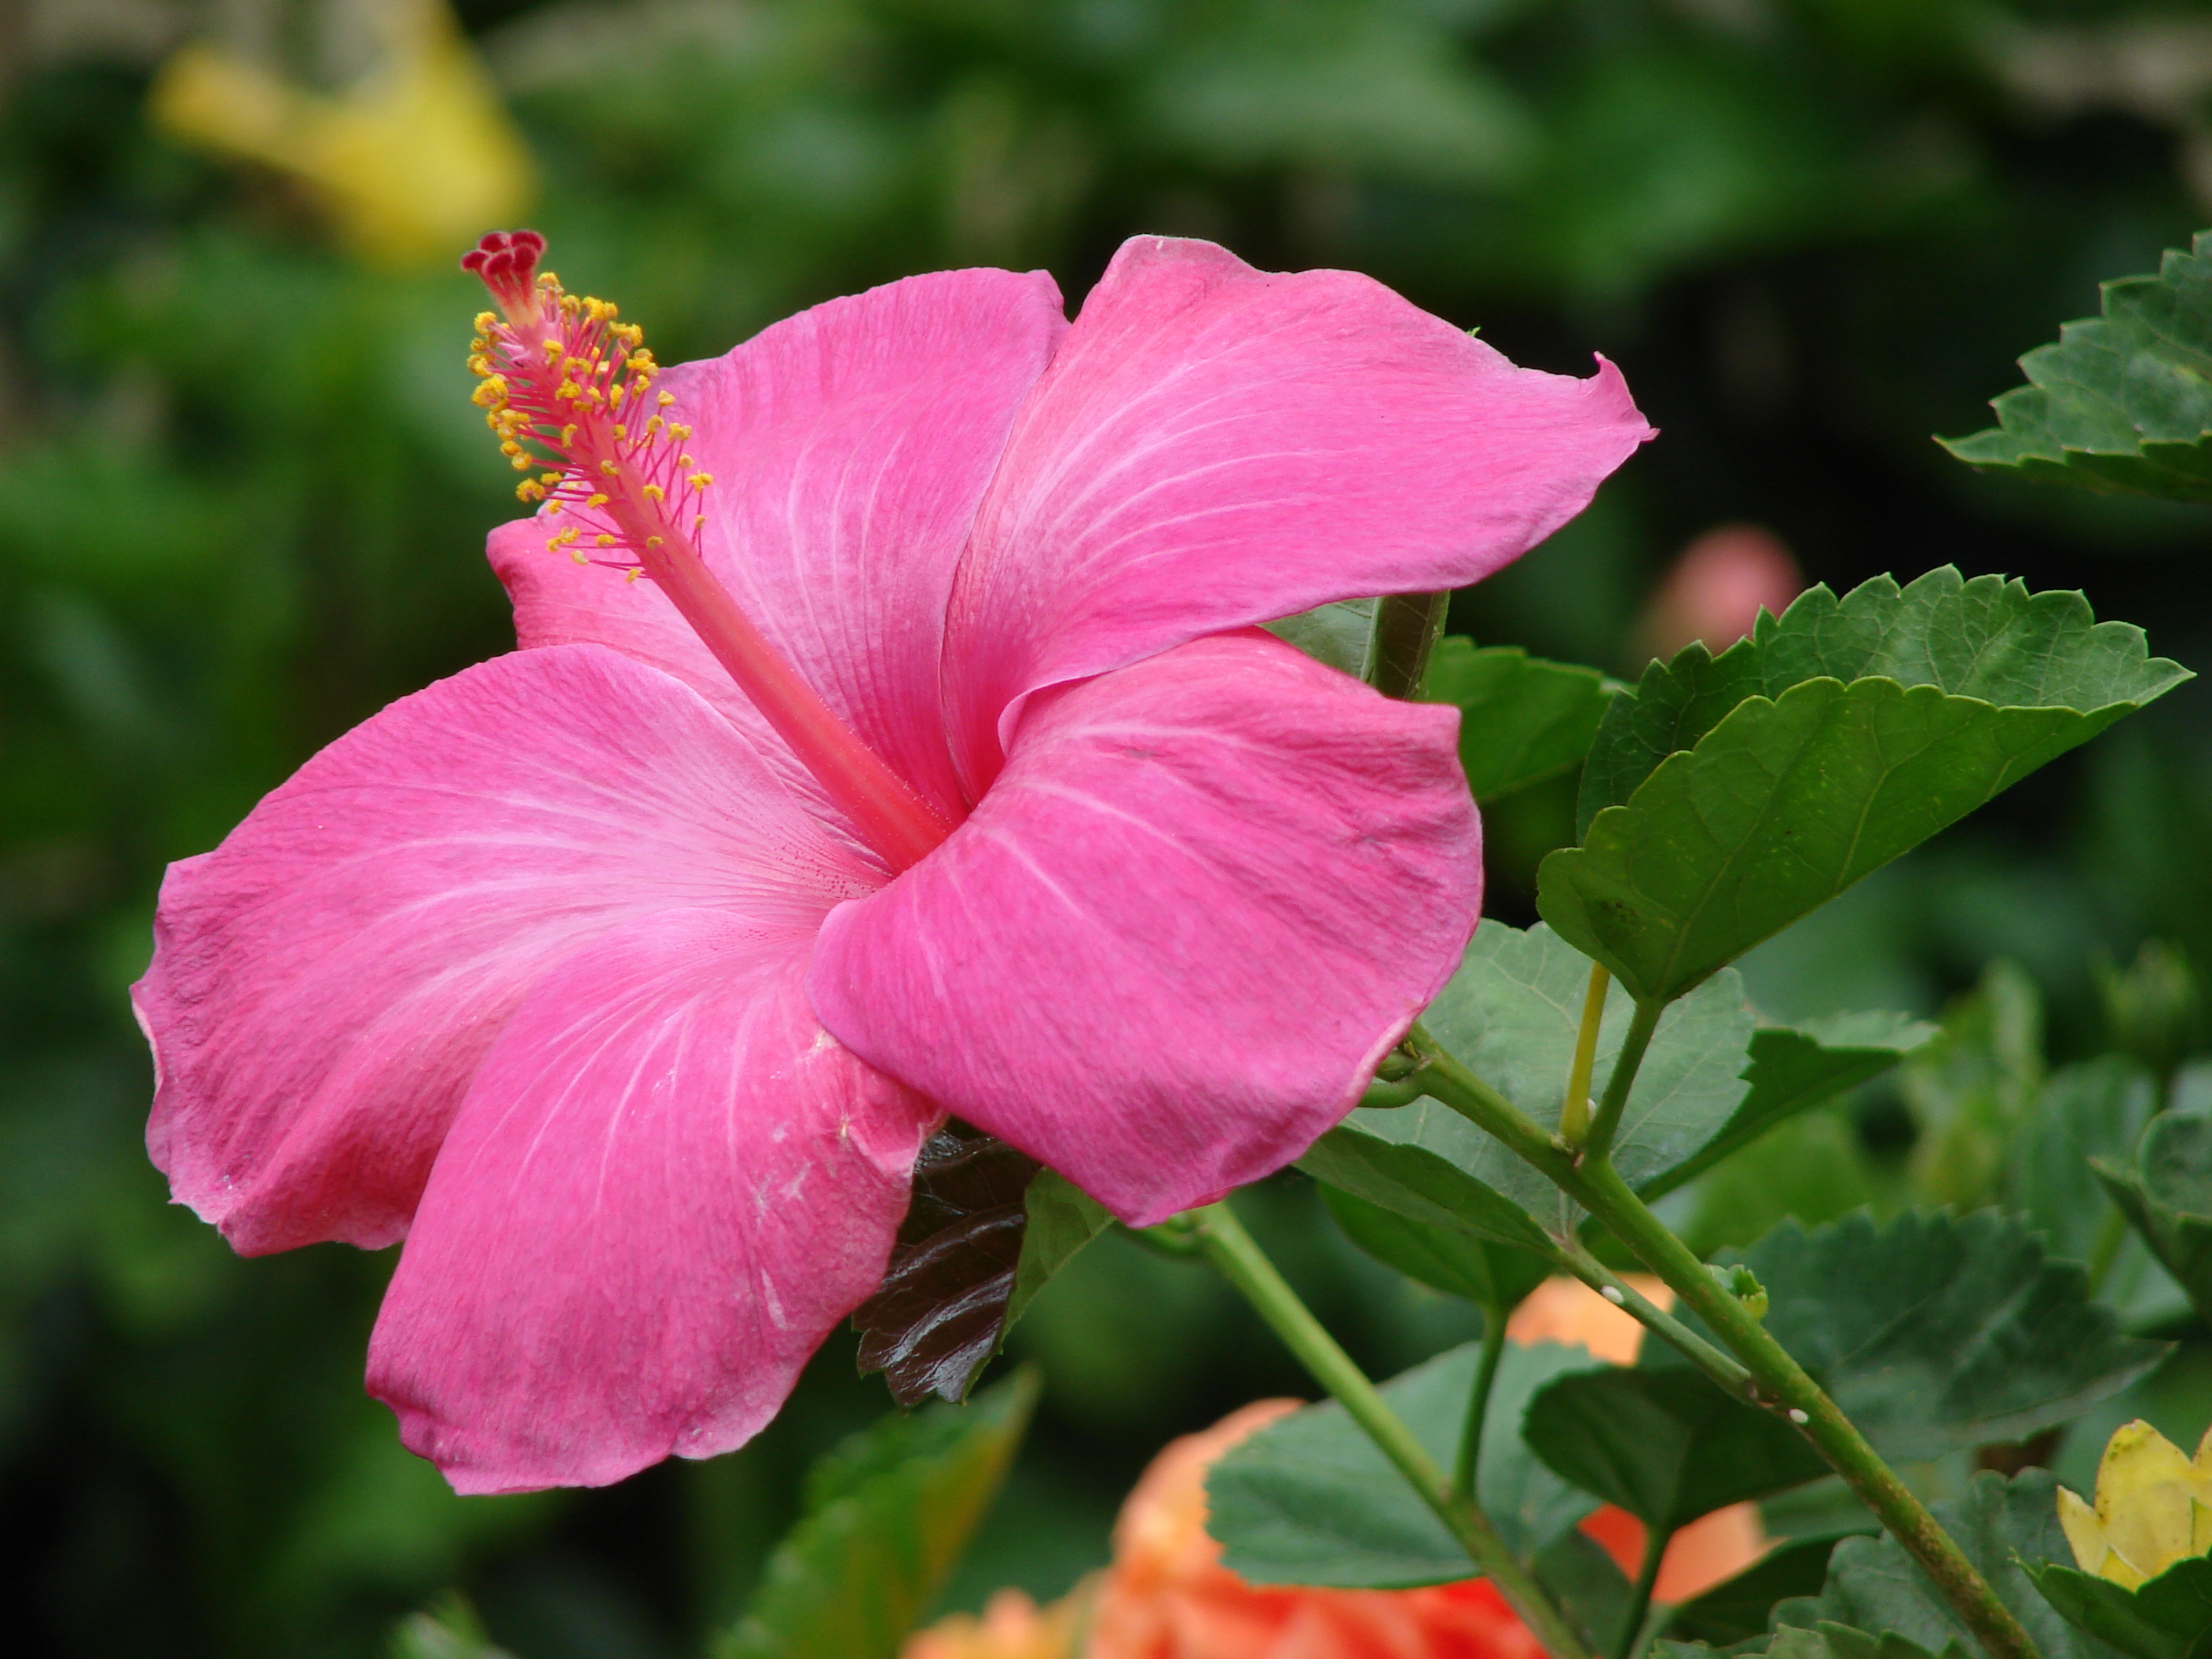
(553, 349)
(510, 447)
(478, 363)
(652, 541)
(614, 401)
(681, 434)
(568, 435)
(655, 427)
(655, 493)
(530, 490)
(604, 541)
(564, 537)
(700, 480)
(633, 573)
(493, 391)
(523, 463)
(578, 556)
(487, 321)
(608, 468)
(685, 460)
(621, 431)
(598, 500)
(665, 398)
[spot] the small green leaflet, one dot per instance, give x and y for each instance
(2122, 402)
(1494, 1277)
(1665, 1444)
(1522, 719)
(1864, 726)
(1795, 1068)
(1341, 634)
(888, 1515)
(2168, 1617)
(2167, 1197)
(1736, 1610)
(1308, 1500)
(1874, 1587)
(1936, 1333)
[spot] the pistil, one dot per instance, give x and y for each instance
(568, 387)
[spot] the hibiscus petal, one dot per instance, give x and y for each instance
(325, 981)
(1214, 446)
(850, 446)
(1205, 895)
(665, 1189)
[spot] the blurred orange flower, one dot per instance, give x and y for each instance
(1168, 1596)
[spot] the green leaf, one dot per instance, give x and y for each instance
(1308, 1500)
(1665, 1444)
(1512, 1012)
(450, 1629)
(1492, 1276)
(1880, 719)
(2095, 1110)
(2122, 402)
(1522, 719)
(1417, 1180)
(1062, 1220)
(1936, 1333)
(2000, 1525)
(1341, 634)
(2167, 1198)
(1972, 1092)
(1737, 1610)
(2169, 1616)
(1589, 1585)
(888, 1515)
(987, 1227)
(1793, 1069)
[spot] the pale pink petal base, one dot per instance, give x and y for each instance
(326, 981)
(667, 1187)
(1205, 895)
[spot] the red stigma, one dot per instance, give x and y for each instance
(507, 260)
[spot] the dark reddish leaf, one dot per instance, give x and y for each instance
(936, 1319)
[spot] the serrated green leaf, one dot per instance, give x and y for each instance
(1341, 634)
(2169, 1616)
(1665, 1444)
(450, 1629)
(1880, 719)
(1308, 1500)
(1736, 1609)
(2098, 1110)
(1793, 1069)
(2167, 1198)
(1999, 1524)
(1522, 719)
(1492, 1276)
(1936, 1333)
(887, 1517)
(1588, 1586)
(2122, 402)
(1421, 1181)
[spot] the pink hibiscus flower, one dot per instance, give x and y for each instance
(937, 769)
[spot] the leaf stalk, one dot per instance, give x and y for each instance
(1240, 1259)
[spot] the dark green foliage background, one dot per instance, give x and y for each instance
(242, 494)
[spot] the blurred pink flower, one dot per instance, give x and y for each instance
(1717, 589)
(937, 768)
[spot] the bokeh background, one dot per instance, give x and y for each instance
(243, 495)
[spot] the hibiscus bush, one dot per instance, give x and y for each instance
(1201, 830)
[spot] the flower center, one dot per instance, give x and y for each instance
(568, 388)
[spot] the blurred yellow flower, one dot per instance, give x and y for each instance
(2154, 1507)
(410, 163)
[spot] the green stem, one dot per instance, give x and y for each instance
(1469, 1460)
(1597, 1187)
(1406, 629)
(1575, 1105)
(1783, 1383)
(1655, 1540)
(1622, 1078)
(1722, 1370)
(1232, 1249)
